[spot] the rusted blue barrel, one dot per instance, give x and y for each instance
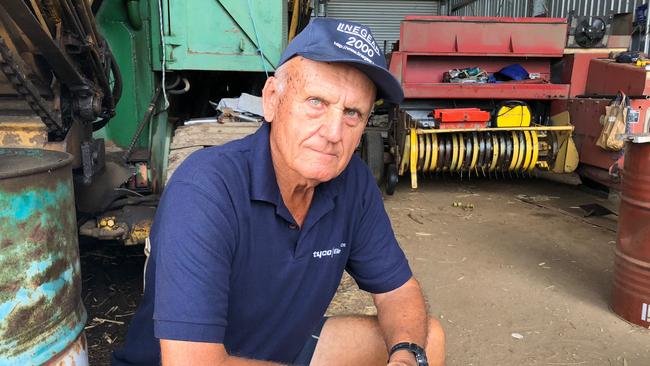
(631, 292)
(42, 316)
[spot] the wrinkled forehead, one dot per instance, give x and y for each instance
(303, 72)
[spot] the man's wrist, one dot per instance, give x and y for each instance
(403, 356)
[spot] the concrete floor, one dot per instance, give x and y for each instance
(520, 279)
(523, 262)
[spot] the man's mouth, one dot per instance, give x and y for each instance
(330, 154)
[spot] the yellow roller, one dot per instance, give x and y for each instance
(427, 153)
(405, 155)
(414, 159)
(461, 151)
(472, 165)
(522, 151)
(441, 143)
(454, 152)
(535, 143)
(421, 150)
(434, 152)
(515, 151)
(495, 153)
(529, 151)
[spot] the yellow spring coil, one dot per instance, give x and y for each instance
(512, 151)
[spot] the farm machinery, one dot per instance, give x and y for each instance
(505, 97)
(110, 81)
(120, 85)
(478, 93)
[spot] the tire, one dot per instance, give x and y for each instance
(391, 179)
(372, 152)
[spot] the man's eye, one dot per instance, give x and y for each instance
(352, 113)
(315, 102)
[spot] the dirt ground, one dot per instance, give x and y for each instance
(519, 279)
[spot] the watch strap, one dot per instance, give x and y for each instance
(420, 355)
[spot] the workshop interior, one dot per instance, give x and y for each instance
(101, 101)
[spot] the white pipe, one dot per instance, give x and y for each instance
(647, 31)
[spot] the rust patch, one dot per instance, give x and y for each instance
(38, 234)
(53, 272)
(38, 140)
(11, 139)
(30, 325)
(11, 287)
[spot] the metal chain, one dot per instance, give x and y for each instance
(12, 67)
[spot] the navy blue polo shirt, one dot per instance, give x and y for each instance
(230, 265)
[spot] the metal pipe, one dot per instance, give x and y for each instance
(647, 33)
(184, 90)
(461, 4)
(145, 120)
(491, 129)
(133, 13)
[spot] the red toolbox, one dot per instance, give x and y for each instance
(461, 118)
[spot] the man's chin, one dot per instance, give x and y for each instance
(320, 175)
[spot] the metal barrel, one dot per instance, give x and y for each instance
(42, 316)
(631, 292)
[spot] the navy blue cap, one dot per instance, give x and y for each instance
(336, 40)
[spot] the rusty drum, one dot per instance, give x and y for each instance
(41, 313)
(631, 293)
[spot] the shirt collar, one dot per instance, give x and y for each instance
(264, 185)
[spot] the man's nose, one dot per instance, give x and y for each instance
(332, 127)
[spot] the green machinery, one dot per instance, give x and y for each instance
(110, 81)
(219, 46)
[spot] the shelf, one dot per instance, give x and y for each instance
(519, 91)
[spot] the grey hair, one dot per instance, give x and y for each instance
(281, 77)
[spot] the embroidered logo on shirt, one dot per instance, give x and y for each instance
(329, 252)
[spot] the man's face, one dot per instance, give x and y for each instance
(318, 112)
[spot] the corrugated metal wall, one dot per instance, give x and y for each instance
(561, 8)
(492, 8)
(556, 8)
(382, 16)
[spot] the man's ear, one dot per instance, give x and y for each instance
(270, 98)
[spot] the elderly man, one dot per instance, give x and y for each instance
(251, 238)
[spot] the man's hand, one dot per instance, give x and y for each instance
(181, 353)
(402, 358)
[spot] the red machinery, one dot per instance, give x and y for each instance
(431, 46)
(595, 80)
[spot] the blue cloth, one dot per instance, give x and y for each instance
(229, 264)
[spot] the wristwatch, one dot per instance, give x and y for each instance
(420, 355)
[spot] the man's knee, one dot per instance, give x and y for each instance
(435, 348)
(435, 331)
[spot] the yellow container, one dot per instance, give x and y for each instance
(513, 115)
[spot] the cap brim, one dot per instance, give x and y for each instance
(388, 88)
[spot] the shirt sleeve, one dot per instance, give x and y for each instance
(194, 239)
(376, 261)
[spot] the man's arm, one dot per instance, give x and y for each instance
(402, 318)
(181, 353)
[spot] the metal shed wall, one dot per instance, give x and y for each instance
(556, 8)
(494, 8)
(382, 16)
